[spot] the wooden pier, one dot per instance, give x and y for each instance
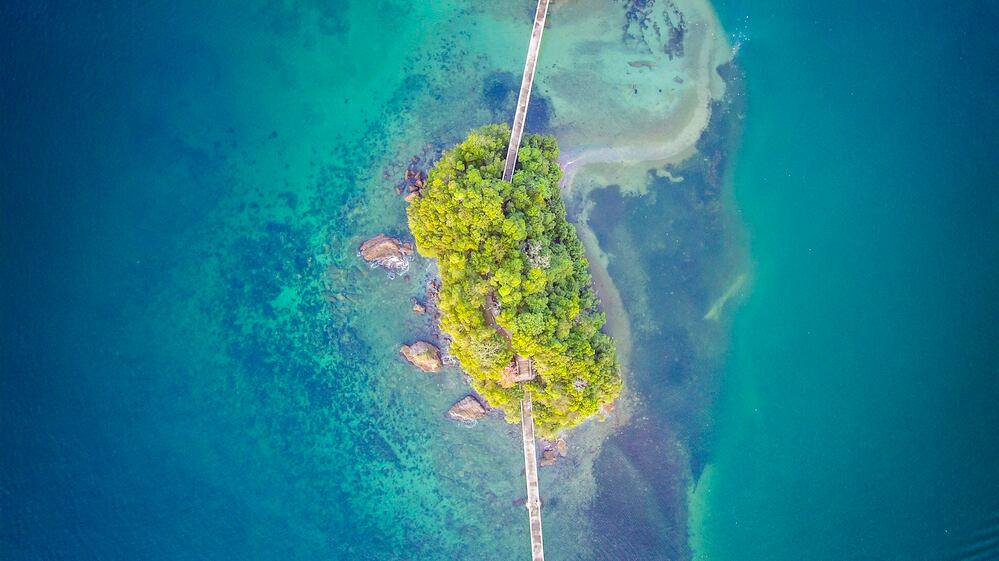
(525, 367)
(531, 465)
(525, 90)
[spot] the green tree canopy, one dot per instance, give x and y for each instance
(514, 279)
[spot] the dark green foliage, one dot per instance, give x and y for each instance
(507, 248)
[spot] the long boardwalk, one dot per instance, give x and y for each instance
(525, 90)
(526, 408)
(531, 463)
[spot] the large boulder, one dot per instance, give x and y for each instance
(467, 410)
(386, 251)
(423, 355)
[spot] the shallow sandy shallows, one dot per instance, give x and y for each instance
(622, 106)
(620, 94)
(625, 102)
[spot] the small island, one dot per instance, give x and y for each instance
(515, 287)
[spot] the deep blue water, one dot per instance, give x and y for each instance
(107, 454)
(195, 363)
(188, 370)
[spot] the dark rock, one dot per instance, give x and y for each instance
(548, 457)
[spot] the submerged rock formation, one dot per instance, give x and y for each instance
(387, 252)
(552, 451)
(418, 307)
(468, 410)
(423, 355)
(548, 457)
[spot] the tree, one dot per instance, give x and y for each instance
(514, 279)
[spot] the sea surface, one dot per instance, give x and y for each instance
(858, 415)
(797, 251)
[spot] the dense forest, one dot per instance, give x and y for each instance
(514, 280)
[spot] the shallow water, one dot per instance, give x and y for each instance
(195, 362)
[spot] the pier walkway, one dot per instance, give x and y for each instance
(533, 490)
(525, 367)
(525, 90)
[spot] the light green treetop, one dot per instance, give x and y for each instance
(514, 279)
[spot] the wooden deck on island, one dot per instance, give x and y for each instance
(525, 369)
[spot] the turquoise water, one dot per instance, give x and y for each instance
(195, 365)
(858, 413)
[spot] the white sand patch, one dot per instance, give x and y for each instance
(628, 102)
(622, 109)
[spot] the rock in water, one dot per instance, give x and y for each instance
(388, 252)
(468, 410)
(423, 355)
(551, 451)
(561, 447)
(548, 457)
